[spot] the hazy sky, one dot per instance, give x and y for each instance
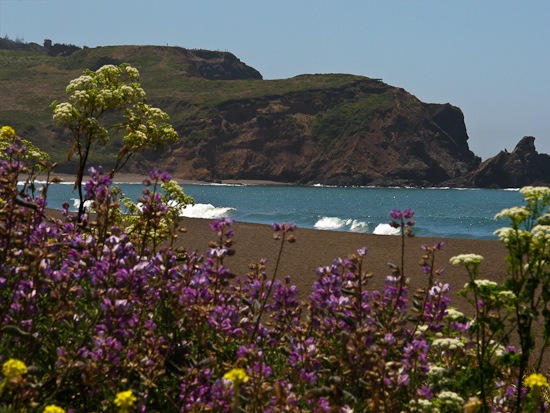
(491, 58)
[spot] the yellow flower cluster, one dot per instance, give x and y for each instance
(536, 380)
(125, 400)
(14, 368)
(52, 408)
(7, 132)
(237, 376)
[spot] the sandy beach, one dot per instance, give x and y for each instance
(314, 248)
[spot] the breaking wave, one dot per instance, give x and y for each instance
(207, 211)
(386, 229)
(335, 223)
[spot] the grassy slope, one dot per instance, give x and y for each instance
(30, 81)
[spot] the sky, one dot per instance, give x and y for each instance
(491, 58)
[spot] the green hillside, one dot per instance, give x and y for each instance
(31, 80)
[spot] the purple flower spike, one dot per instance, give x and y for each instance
(408, 213)
(215, 226)
(165, 176)
(394, 224)
(154, 174)
(396, 214)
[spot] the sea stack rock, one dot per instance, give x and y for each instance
(523, 166)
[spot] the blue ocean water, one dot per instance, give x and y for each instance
(454, 213)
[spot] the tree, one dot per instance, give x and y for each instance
(106, 101)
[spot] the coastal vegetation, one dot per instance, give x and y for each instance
(294, 130)
(102, 311)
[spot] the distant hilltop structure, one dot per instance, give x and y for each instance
(48, 47)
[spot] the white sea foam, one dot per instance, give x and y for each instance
(359, 226)
(386, 229)
(332, 223)
(42, 183)
(207, 211)
(76, 203)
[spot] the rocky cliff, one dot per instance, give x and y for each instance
(332, 129)
(523, 166)
(363, 132)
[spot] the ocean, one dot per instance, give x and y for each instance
(439, 212)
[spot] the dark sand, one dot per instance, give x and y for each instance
(314, 248)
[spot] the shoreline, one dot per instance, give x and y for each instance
(134, 178)
(131, 178)
(315, 248)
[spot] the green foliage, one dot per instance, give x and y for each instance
(113, 91)
(166, 221)
(349, 118)
(37, 79)
(36, 159)
(518, 306)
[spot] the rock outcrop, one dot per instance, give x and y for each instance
(334, 129)
(523, 166)
(215, 65)
(363, 132)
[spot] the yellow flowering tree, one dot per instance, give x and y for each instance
(35, 158)
(108, 100)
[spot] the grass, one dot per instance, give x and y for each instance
(30, 81)
(348, 118)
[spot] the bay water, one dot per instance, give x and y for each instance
(439, 212)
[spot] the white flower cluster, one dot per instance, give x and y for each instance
(454, 314)
(483, 283)
(132, 72)
(535, 193)
(84, 82)
(437, 372)
(450, 398)
(64, 113)
(506, 235)
(507, 295)
(108, 74)
(498, 348)
(81, 97)
(466, 259)
(516, 214)
(422, 406)
(450, 343)
(541, 234)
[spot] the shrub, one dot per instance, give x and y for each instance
(104, 314)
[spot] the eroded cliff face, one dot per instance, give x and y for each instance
(364, 133)
(523, 166)
(332, 129)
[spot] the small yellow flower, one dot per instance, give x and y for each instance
(471, 405)
(237, 376)
(7, 132)
(14, 368)
(125, 400)
(536, 380)
(52, 408)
